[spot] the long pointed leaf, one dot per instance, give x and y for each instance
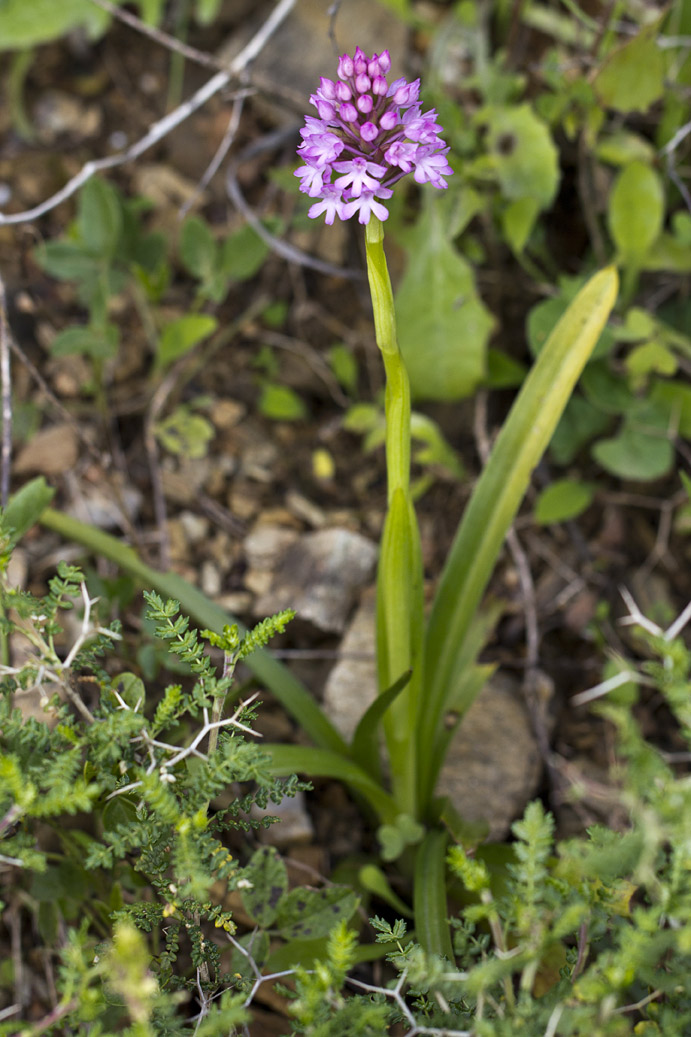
(274, 675)
(322, 763)
(364, 750)
(500, 489)
(429, 895)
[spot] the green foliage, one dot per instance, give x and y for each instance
(588, 935)
(145, 865)
(26, 25)
(443, 325)
(216, 264)
(562, 500)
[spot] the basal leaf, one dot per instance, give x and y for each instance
(443, 325)
(524, 157)
(635, 454)
(563, 500)
(181, 335)
(269, 883)
(632, 77)
(25, 24)
(99, 218)
(198, 249)
(636, 211)
(307, 914)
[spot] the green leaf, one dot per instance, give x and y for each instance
(563, 500)
(375, 881)
(66, 260)
(281, 403)
(649, 358)
(206, 10)
(675, 398)
(503, 372)
(242, 254)
(443, 325)
(524, 157)
(267, 873)
(151, 11)
(635, 454)
(307, 914)
(607, 390)
(198, 249)
(498, 493)
(394, 838)
(25, 24)
(429, 896)
(518, 220)
(99, 218)
(632, 76)
(543, 317)
(365, 744)
(323, 763)
(98, 343)
(181, 335)
(131, 690)
(185, 433)
(580, 422)
(621, 147)
(636, 211)
(344, 366)
(25, 507)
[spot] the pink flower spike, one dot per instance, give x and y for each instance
(367, 205)
(388, 120)
(360, 61)
(370, 133)
(431, 166)
(359, 175)
(327, 89)
(346, 68)
(325, 108)
(373, 67)
(312, 179)
(402, 155)
(331, 205)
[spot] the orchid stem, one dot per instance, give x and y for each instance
(399, 581)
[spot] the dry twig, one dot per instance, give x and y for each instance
(164, 126)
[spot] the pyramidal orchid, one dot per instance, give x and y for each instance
(369, 134)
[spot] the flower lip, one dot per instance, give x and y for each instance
(371, 133)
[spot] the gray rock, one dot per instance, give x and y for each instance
(320, 575)
(300, 51)
(295, 823)
(493, 766)
(351, 685)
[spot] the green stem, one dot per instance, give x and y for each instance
(399, 580)
(397, 384)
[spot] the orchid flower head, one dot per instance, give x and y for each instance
(369, 133)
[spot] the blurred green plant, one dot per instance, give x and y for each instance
(132, 890)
